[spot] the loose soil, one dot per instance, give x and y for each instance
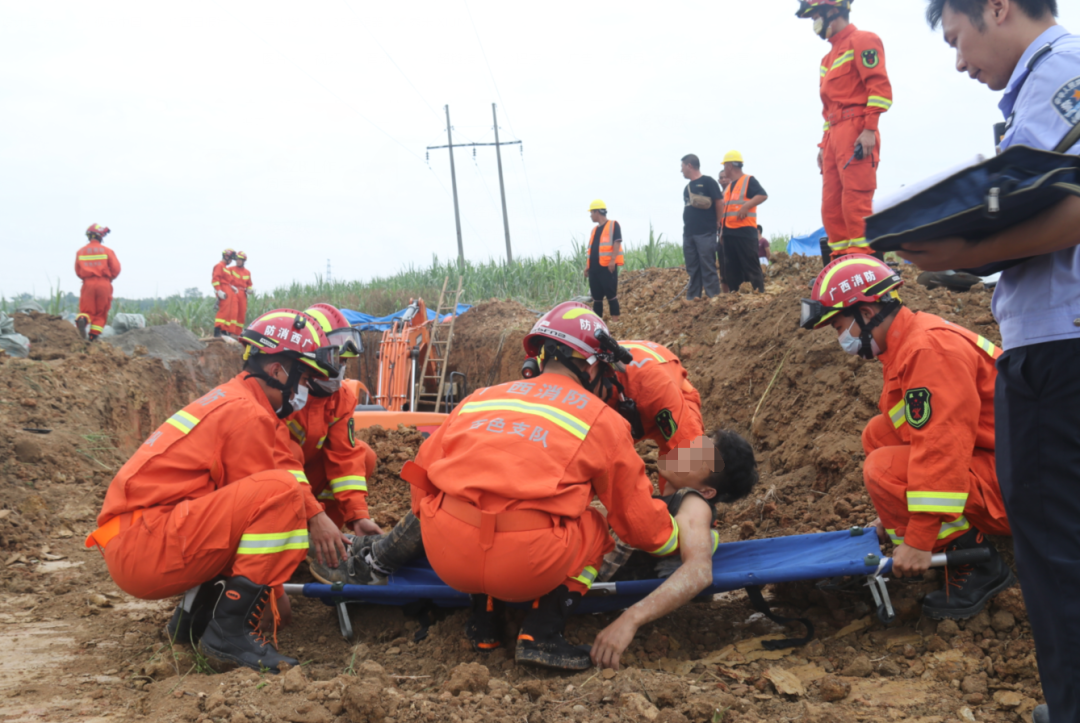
(79, 649)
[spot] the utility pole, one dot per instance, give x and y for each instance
(453, 180)
(328, 271)
(453, 183)
(502, 188)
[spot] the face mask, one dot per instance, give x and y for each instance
(300, 398)
(853, 344)
(819, 26)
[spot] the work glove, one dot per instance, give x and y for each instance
(220, 293)
(250, 292)
(234, 289)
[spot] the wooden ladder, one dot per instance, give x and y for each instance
(438, 350)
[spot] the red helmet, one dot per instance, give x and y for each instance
(240, 256)
(571, 323)
(228, 254)
(294, 335)
(339, 333)
(806, 7)
(851, 279)
(97, 231)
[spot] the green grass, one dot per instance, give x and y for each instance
(538, 283)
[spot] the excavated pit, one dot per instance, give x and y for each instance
(79, 649)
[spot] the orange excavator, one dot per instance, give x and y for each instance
(412, 360)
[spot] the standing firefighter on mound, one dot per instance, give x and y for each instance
(208, 505)
(604, 259)
(97, 266)
(930, 453)
(502, 490)
(855, 91)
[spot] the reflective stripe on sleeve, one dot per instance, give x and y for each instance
(272, 542)
(321, 442)
(672, 544)
(300, 476)
(950, 528)
(824, 70)
(876, 101)
(325, 495)
(295, 427)
(587, 576)
(843, 59)
(898, 414)
(986, 345)
(351, 482)
(569, 422)
(896, 539)
(715, 541)
(183, 421)
(828, 125)
(948, 503)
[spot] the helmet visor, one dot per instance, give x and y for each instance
(814, 313)
(349, 340)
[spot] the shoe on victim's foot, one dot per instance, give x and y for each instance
(353, 570)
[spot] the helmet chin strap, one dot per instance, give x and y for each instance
(827, 21)
(287, 389)
(563, 355)
(866, 351)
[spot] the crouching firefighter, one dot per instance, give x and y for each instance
(930, 453)
(501, 493)
(208, 504)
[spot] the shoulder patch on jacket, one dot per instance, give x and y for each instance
(917, 407)
(352, 431)
(870, 58)
(665, 421)
(1066, 101)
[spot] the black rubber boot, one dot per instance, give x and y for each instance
(484, 629)
(80, 325)
(233, 636)
(968, 587)
(1041, 714)
(541, 640)
(189, 626)
(217, 332)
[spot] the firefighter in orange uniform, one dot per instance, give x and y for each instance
(502, 490)
(97, 266)
(242, 282)
(209, 498)
(855, 91)
(225, 290)
(930, 453)
(336, 463)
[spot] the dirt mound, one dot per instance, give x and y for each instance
(50, 336)
(168, 342)
(487, 342)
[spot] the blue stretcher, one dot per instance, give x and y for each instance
(736, 565)
(749, 564)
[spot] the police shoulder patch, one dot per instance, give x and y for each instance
(917, 408)
(1066, 101)
(665, 421)
(870, 58)
(352, 431)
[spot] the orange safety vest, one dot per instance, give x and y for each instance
(734, 198)
(605, 245)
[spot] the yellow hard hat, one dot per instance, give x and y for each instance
(598, 205)
(733, 157)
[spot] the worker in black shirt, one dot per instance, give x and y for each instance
(605, 258)
(742, 195)
(701, 219)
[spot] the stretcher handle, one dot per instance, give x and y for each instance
(942, 559)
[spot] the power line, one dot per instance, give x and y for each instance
(488, 64)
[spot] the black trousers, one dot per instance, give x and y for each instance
(741, 262)
(604, 285)
(1037, 426)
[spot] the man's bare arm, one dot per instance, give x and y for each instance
(1055, 229)
(693, 576)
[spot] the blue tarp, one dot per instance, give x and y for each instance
(808, 245)
(735, 565)
(367, 322)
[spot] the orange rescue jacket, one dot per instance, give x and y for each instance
(96, 261)
(607, 247)
(545, 444)
(333, 461)
(734, 197)
(241, 278)
(939, 395)
(669, 406)
(224, 436)
(222, 278)
(854, 82)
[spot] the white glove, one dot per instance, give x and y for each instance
(234, 289)
(250, 291)
(220, 293)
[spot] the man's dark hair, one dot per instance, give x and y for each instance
(259, 362)
(759, 229)
(974, 9)
(740, 472)
(691, 160)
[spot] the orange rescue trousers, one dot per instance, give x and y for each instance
(515, 566)
(95, 301)
(847, 193)
(225, 318)
(239, 317)
(254, 527)
(885, 473)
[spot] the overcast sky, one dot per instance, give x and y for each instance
(297, 131)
